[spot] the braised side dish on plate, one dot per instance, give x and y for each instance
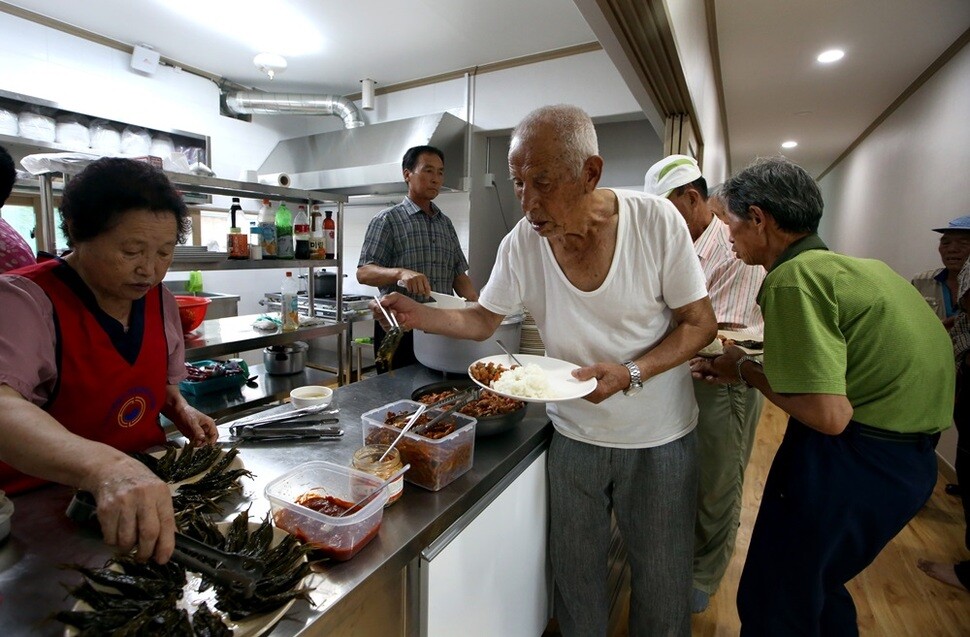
(488, 405)
(487, 373)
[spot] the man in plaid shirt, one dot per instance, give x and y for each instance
(413, 247)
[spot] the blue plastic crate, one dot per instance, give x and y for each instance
(217, 383)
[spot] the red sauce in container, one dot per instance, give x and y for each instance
(339, 544)
(325, 504)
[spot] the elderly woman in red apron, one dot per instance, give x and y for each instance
(91, 352)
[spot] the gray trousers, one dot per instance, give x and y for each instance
(725, 436)
(652, 493)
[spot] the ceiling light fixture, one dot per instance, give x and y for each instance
(832, 55)
(789, 144)
(270, 63)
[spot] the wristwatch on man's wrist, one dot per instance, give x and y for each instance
(742, 361)
(635, 383)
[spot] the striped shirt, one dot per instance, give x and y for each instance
(732, 285)
(404, 236)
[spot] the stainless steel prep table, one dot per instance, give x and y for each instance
(43, 538)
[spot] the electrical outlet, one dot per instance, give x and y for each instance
(489, 180)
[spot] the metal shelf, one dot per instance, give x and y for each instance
(249, 264)
(220, 337)
(251, 190)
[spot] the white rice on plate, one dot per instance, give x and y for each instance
(528, 381)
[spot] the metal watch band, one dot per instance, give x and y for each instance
(742, 361)
(635, 382)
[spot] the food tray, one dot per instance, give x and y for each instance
(434, 463)
(487, 425)
(217, 383)
(338, 538)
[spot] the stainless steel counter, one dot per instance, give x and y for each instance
(43, 538)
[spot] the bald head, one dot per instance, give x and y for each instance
(567, 130)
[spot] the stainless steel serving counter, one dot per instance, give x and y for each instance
(345, 593)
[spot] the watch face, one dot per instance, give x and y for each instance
(632, 390)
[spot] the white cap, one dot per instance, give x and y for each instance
(670, 173)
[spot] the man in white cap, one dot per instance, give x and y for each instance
(728, 413)
(939, 285)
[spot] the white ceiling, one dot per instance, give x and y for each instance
(774, 89)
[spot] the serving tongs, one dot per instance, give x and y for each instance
(460, 399)
(295, 431)
(238, 572)
(283, 416)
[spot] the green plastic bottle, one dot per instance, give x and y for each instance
(284, 232)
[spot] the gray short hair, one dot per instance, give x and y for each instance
(571, 126)
(778, 187)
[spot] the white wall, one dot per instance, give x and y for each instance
(689, 21)
(905, 178)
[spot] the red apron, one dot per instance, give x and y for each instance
(99, 394)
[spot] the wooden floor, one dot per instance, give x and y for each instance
(893, 597)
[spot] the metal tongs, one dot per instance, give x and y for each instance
(272, 431)
(281, 426)
(460, 399)
(238, 572)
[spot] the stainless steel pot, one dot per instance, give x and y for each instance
(285, 359)
(454, 355)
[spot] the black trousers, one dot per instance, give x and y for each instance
(830, 505)
(961, 417)
(404, 355)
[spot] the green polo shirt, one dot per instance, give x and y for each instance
(853, 327)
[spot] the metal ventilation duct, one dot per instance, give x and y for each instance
(256, 103)
(367, 160)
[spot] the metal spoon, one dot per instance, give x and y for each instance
(511, 355)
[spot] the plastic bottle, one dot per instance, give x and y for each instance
(301, 233)
(255, 241)
(267, 231)
(289, 312)
(318, 244)
(284, 232)
(330, 234)
(236, 242)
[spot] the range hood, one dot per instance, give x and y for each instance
(367, 160)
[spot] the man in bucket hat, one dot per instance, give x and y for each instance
(939, 286)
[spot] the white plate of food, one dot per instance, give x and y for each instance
(193, 598)
(749, 342)
(540, 380)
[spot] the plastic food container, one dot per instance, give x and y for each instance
(435, 463)
(338, 538)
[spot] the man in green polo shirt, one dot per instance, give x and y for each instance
(857, 358)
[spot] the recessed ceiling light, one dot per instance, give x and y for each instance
(832, 55)
(789, 144)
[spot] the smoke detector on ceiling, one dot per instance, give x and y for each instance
(270, 63)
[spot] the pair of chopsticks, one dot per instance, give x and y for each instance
(390, 317)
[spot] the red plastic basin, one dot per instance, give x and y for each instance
(192, 311)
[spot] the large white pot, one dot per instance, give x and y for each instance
(454, 355)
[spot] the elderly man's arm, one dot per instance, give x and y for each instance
(827, 413)
(473, 322)
(134, 506)
(696, 327)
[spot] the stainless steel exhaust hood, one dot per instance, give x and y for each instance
(367, 160)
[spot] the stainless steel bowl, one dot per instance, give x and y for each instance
(487, 425)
